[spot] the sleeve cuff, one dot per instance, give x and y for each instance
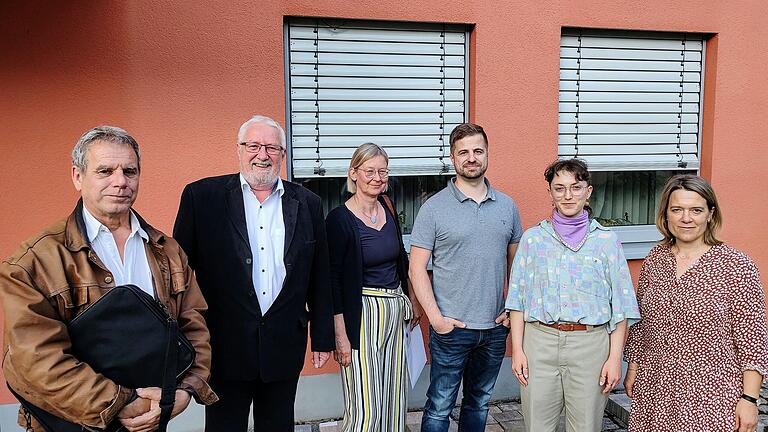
(198, 388)
(124, 397)
(762, 370)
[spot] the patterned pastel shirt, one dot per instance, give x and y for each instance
(552, 283)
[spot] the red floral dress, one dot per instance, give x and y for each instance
(697, 335)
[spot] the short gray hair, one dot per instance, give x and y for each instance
(363, 154)
(111, 134)
(263, 120)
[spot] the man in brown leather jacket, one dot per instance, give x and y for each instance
(58, 273)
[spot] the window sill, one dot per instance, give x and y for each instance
(637, 240)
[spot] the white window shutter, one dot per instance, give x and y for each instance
(630, 100)
(400, 85)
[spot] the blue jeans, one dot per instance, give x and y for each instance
(475, 356)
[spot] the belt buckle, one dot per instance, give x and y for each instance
(566, 327)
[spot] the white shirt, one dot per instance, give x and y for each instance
(135, 269)
(266, 236)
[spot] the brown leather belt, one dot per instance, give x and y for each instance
(569, 326)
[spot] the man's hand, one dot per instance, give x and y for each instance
(181, 402)
(503, 319)
(150, 420)
(147, 422)
(610, 374)
(445, 325)
(319, 358)
(151, 393)
(134, 409)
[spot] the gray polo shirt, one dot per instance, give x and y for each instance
(469, 251)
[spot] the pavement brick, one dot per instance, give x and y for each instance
(332, 426)
(455, 413)
(762, 423)
(618, 407)
(509, 406)
(508, 416)
(609, 425)
(414, 417)
(515, 426)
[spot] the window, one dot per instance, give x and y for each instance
(630, 106)
(400, 85)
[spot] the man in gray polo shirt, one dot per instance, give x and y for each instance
(471, 232)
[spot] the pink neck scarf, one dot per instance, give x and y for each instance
(572, 230)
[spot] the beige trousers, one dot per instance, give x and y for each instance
(564, 373)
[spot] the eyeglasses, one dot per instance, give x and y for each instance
(577, 190)
(369, 173)
(254, 147)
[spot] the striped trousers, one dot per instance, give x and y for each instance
(375, 383)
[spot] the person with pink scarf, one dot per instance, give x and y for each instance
(570, 297)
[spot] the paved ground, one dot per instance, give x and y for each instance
(504, 416)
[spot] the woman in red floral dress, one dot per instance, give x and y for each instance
(698, 357)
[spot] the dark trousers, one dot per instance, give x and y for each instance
(272, 406)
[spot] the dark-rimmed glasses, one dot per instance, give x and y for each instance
(254, 147)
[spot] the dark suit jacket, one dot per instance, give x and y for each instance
(247, 344)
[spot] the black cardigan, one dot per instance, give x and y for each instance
(346, 259)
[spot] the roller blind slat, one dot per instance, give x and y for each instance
(630, 100)
(400, 85)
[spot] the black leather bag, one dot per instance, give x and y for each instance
(130, 338)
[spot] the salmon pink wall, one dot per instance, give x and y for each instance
(181, 77)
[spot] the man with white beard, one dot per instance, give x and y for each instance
(258, 247)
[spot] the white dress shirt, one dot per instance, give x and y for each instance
(266, 236)
(135, 269)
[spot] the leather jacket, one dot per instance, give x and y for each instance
(51, 279)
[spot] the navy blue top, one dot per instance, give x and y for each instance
(380, 253)
(346, 265)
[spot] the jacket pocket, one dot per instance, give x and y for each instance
(178, 282)
(591, 279)
(70, 299)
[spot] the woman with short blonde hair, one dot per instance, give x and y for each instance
(369, 278)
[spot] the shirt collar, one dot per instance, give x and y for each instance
(278, 187)
(459, 195)
(94, 227)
